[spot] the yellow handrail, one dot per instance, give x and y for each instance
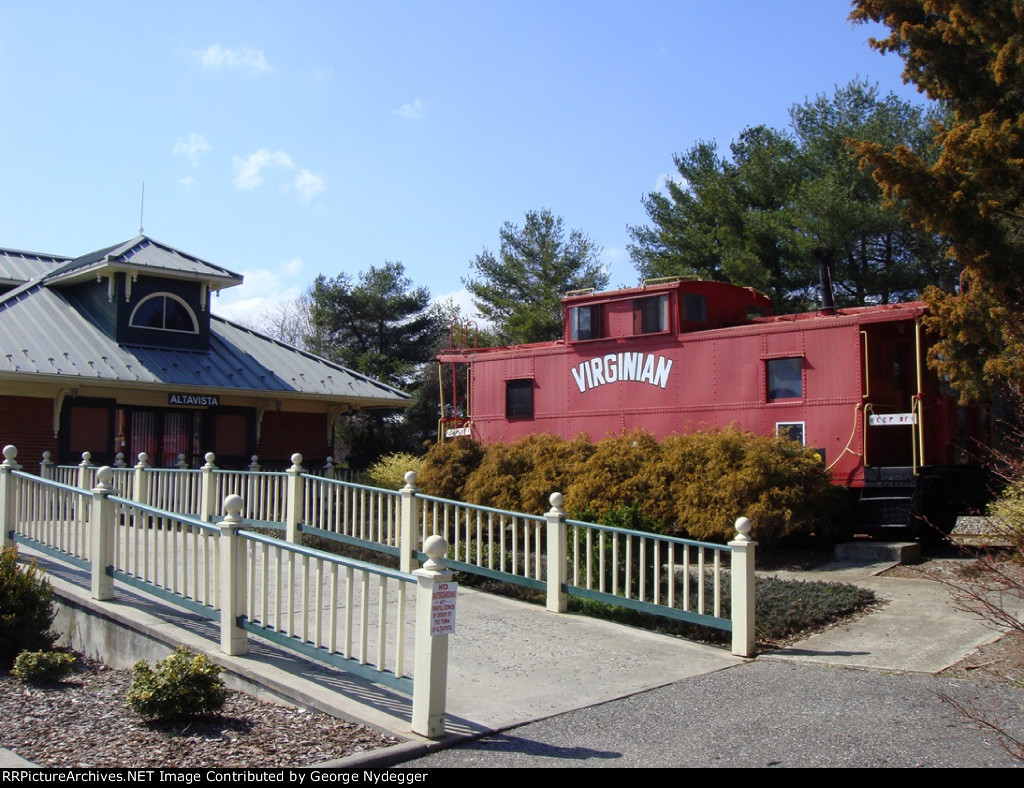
(867, 375)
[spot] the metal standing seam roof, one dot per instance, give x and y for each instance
(145, 253)
(42, 334)
(18, 267)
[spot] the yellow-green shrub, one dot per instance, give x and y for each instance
(719, 475)
(447, 465)
(43, 667)
(521, 476)
(622, 471)
(389, 471)
(181, 686)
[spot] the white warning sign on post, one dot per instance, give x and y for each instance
(442, 609)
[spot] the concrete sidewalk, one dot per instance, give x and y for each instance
(512, 663)
(918, 628)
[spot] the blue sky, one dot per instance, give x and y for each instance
(282, 140)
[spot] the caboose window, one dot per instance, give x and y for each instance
(650, 315)
(519, 399)
(695, 308)
(585, 322)
(784, 378)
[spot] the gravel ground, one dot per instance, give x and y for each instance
(84, 722)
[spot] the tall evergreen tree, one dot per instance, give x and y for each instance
(520, 290)
(969, 56)
(381, 325)
(384, 327)
(756, 217)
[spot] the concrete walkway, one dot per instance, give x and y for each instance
(512, 663)
(918, 628)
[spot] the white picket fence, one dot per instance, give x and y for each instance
(666, 576)
(344, 612)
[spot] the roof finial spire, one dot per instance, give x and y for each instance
(142, 205)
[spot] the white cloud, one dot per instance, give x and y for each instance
(309, 185)
(216, 56)
(292, 266)
(249, 171)
(661, 184)
(191, 146)
(464, 301)
(263, 291)
(413, 111)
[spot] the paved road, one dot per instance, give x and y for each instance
(762, 714)
(863, 694)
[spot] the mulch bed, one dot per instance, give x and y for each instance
(85, 722)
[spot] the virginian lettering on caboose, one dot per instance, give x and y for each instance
(616, 367)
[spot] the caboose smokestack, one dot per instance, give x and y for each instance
(828, 300)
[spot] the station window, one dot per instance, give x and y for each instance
(785, 380)
(585, 322)
(519, 399)
(650, 315)
(164, 312)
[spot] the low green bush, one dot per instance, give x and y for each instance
(182, 686)
(26, 608)
(783, 610)
(786, 608)
(43, 667)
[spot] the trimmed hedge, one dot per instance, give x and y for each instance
(692, 485)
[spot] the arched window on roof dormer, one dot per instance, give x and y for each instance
(164, 312)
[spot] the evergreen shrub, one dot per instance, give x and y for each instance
(623, 470)
(693, 485)
(447, 466)
(43, 667)
(26, 608)
(715, 476)
(521, 476)
(182, 686)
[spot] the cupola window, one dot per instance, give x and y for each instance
(164, 312)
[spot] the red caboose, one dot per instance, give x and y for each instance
(678, 356)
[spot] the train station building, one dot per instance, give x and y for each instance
(117, 351)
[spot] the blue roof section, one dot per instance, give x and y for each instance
(17, 267)
(42, 334)
(144, 253)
